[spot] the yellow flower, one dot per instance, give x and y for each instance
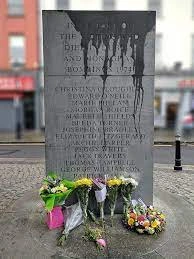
(61, 188)
(83, 182)
(146, 223)
(41, 189)
(114, 182)
(155, 223)
(44, 187)
(131, 221)
(162, 216)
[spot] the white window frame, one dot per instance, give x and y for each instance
(152, 6)
(64, 5)
(109, 5)
(192, 51)
(158, 46)
(192, 9)
(20, 42)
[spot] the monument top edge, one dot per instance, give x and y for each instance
(100, 11)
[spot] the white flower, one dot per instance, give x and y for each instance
(129, 180)
(133, 182)
(53, 190)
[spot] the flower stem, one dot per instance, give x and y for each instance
(112, 215)
(101, 205)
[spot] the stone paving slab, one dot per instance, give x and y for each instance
(24, 234)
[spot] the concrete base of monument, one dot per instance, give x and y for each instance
(23, 234)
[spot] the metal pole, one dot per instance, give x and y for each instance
(18, 115)
(177, 165)
(16, 66)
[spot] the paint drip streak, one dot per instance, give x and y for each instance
(103, 122)
(121, 27)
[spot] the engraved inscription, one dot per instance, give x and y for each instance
(98, 93)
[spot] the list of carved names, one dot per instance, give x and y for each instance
(97, 116)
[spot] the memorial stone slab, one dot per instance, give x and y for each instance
(99, 89)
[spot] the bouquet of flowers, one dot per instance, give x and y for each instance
(112, 194)
(55, 191)
(100, 194)
(95, 235)
(73, 218)
(145, 220)
(127, 187)
(83, 187)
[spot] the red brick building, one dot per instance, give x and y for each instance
(19, 62)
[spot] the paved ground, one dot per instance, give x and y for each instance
(163, 154)
(24, 235)
(16, 179)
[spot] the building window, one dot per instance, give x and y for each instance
(193, 9)
(192, 46)
(157, 105)
(62, 4)
(15, 7)
(158, 49)
(17, 49)
(158, 44)
(155, 5)
(108, 4)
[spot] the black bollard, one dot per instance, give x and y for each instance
(177, 165)
(18, 130)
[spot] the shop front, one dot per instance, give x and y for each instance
(173, 100)
(17, 97)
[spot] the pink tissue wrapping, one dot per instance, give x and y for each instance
(55, 218)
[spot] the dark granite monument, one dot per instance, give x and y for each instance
(99, 88)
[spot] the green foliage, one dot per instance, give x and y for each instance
(55, 190)
(53, 175)
(68, 184)
(92, 234)
(54, 199)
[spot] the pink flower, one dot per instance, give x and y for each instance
(101, 242)
(141, 218)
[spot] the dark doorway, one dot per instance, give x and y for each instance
(172, 109)
(28, 104)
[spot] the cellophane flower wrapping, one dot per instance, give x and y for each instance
(55, 218)
(112, 194)
(100, 194)
(55, 191)
(128, 185)
(73, 218)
